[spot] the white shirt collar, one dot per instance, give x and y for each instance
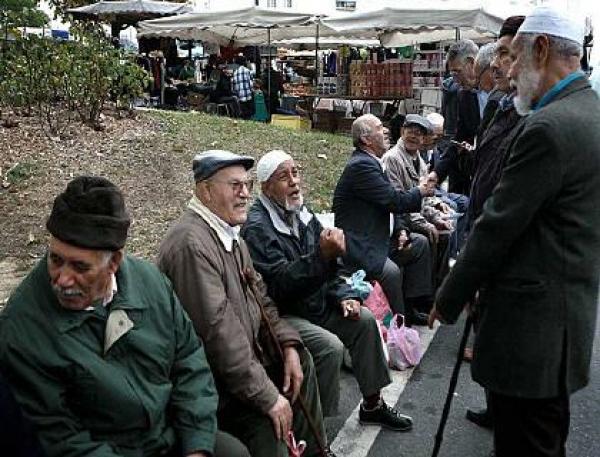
(110, 296)
(226, 233)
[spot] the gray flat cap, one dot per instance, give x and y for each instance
(415, 119)
(207, 163)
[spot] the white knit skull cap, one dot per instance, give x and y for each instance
(269, 162)
(549, 21)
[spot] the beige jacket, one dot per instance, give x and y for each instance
(402, 174)
(208, 281)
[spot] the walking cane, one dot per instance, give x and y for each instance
(453, 381)
(301, 401)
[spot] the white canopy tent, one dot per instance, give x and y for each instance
(241, 27)
(403, 26)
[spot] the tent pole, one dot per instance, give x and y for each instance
(269, 69)
(317, 57)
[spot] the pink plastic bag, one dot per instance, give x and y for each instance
(379, 305)
(296, 449)
(377, 302)
(404, 344)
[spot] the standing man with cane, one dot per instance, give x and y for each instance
(534, 254)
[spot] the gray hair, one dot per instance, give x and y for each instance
(485, 56)
(461, 50)
(362, 126)
(560, 47)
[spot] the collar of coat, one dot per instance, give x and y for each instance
(226, 233)
(127, 297)
(279, 224)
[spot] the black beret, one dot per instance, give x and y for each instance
(90, 214)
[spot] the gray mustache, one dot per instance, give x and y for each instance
(67, 292)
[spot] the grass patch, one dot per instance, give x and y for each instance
(321, 156)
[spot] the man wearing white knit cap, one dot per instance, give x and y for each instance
(534, 253)
(297, 258)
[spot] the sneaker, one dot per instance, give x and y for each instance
(386, 417)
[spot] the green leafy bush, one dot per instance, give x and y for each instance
(63, 80)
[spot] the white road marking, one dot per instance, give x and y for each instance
(354, 439)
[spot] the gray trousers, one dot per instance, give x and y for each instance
(255, 429)
(407, 273)
(326, 343)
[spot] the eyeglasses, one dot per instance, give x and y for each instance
(237, 185)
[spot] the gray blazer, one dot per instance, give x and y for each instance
(534, 255)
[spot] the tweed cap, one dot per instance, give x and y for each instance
(207, 163)
(416, 119)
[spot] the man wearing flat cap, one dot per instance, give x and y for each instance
(534, 254)
(298, 260)
(98, 350)
(261, 369)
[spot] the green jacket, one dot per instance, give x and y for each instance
(150, 391)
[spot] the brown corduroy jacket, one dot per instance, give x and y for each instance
(225, 313)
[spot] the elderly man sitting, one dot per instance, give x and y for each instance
(260, 365)
(109, 364)
(405, 168)
(297, 258)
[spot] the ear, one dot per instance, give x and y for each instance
(541, 51)
(115, 260)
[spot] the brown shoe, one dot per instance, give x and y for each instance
(468, 355)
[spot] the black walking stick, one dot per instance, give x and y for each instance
(301, 401)
(439, 436)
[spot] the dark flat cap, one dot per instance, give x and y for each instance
(207, 163)
(90, 214)
(415, 119)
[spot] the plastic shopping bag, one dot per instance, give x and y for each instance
(404, 345)
(359, 286)
(378, 303)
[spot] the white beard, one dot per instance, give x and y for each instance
(526, 85)
(296, 206)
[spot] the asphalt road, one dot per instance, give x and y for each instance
(423, 397)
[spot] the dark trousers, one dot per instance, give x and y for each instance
(407, 274)
(247, 109)
(255, 429)
(526, 427)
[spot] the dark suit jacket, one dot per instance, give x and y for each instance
(452, 164)
(534, 255)
(491, 156)
(362, 203)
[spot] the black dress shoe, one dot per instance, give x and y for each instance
(416, 318)
(386, 417)
(483, 418)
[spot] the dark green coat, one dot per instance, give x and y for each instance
(151, 390)
(534, 255)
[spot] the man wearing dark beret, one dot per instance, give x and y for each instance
(97, 349)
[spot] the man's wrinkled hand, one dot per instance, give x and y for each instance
(332, 243)
(433, 233)
(350, 308)
(403, 240)
(281, 417)
(426, 187)
(292, 373)
(434, 315)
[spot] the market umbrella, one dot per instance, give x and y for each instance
(128, 12)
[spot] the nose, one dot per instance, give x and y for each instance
(64, 278)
